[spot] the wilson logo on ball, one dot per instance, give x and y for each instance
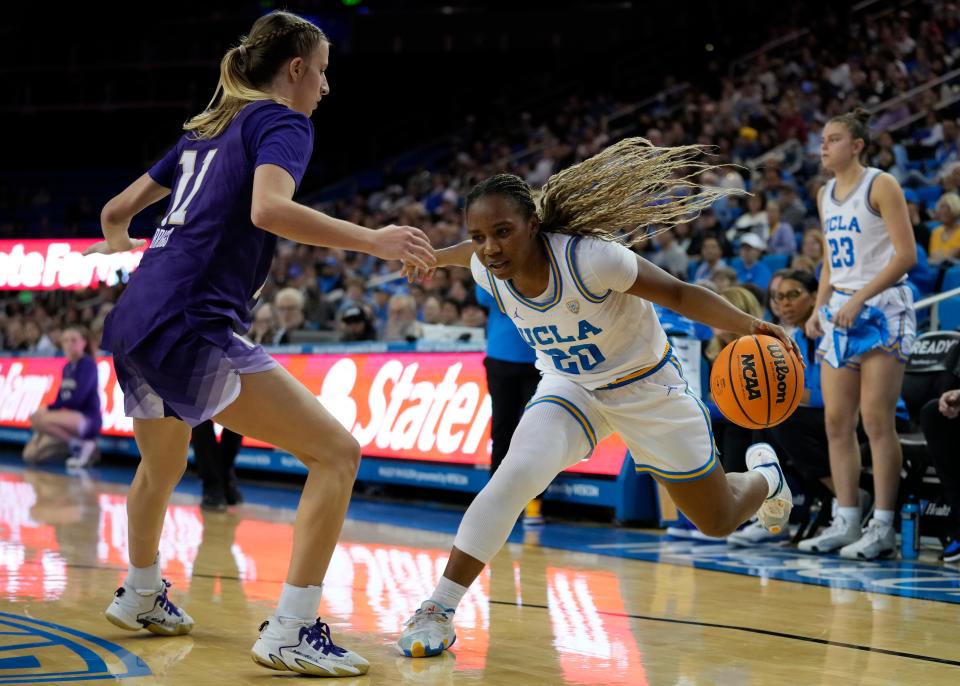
(781, 369)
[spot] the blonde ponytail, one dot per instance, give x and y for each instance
(246, 69)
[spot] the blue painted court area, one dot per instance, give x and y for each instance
(25, 643)
(892, 577)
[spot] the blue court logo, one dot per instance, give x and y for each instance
(36, 652)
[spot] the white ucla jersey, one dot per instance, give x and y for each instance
(597, 339)
(857, 243)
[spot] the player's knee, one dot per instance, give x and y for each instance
(720, 525)
(878, 424)
(338, 454)
(839, 426)
(526, 480)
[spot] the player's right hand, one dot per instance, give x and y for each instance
(812, 328)
(122, 244)
(405, 243)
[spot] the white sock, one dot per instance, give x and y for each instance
(850, 514)
(144, 579)
(299, 603)
(448, 594)
(773, 476)
(885, 516)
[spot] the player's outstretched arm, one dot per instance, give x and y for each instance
(701, 304)
(273, 209)
(117, 213)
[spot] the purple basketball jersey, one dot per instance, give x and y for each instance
(207, 261)
(173, 333)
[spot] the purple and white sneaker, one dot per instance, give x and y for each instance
(134, 609)
(298, 646)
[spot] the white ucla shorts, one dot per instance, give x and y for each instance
(888, 322)
(665, 426)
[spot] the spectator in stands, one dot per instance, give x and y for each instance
(431, 310)
(770, 299)
(948, 150)
(288, 303)
(71, 423)
(783, 241)
(754, 220)
(945, 238)
(812, 246)
(749, 267)
(381, 309)
(460, 290)
(439, 281)
(711, 258)
(941, 427)
(38, 342)
(356, 325)
(355, 295)
(402, 322)
(450, 312)
(724, 278)
(670, 257)
(264, 328)
(791, 207)
(473, 314)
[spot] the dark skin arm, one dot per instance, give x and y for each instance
(701, 304)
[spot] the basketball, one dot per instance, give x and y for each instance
(756, 382)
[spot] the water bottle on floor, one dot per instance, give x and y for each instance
(910, 529)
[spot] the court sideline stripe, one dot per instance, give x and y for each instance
(747, 629)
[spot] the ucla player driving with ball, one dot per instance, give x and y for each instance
(866, 317)
(583, 300)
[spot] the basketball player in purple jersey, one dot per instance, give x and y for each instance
(175, 334)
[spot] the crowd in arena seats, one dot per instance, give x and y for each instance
(766, 118)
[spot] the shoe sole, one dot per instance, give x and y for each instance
(420, 650)
(817, 549)
(181, 630)
(275, 663)
(882, 555)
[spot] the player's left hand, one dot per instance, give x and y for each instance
(778, 332)
(848, 313)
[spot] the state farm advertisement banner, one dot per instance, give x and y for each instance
(43, 265)
(417, 406)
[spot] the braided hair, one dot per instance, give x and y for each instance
(626, 193)
(247, 69)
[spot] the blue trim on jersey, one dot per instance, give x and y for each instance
(577, 281)
(557, 285)
(496, 293)
(574, 411)
(870, 207)
(640, 373)
(853, 190)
